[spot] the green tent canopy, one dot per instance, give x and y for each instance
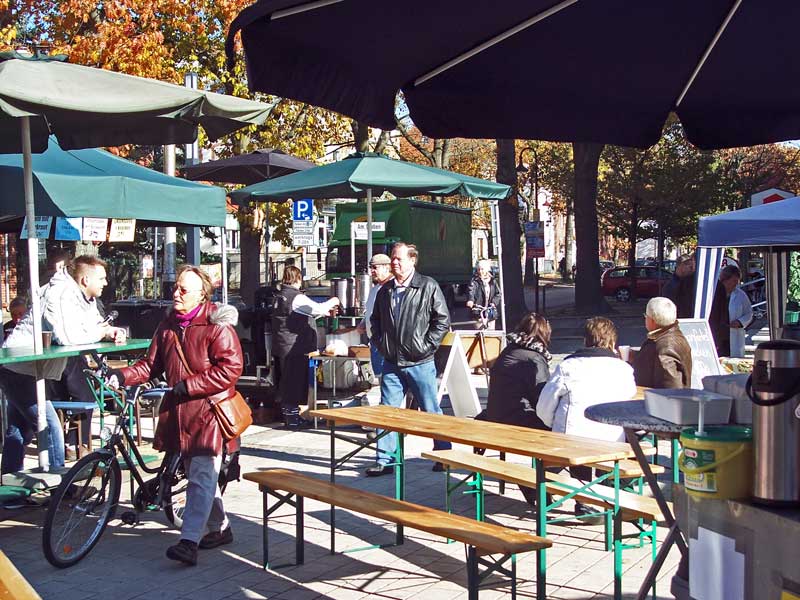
(95, 183)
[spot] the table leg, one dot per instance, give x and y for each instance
(333, 477)
(541, 530)
(400, 479)
(674, 535)
(652, 572)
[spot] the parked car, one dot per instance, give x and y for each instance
(618, 282)
(606, 264)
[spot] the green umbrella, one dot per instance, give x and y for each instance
(363, 174)
(68, 183)
(86, 107)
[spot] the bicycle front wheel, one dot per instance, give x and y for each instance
(80, 509)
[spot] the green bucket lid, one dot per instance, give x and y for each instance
(720, 433)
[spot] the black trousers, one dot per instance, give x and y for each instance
(293, 384)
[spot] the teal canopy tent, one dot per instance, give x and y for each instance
(95, 183)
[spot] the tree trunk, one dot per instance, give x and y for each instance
(588, 295)
(250, 256)
(633, 230)
(510, 234)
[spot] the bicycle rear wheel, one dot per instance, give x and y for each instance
(80, 509)
(174, 492)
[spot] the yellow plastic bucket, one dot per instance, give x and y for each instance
(719, 463)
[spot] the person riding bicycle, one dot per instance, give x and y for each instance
(483, 294)
(186, 423)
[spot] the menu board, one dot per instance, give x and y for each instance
(704, 353)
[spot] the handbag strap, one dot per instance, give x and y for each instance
(179, 348)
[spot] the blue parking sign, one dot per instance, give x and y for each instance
(303, 210)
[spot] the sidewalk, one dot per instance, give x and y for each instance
(129, 562)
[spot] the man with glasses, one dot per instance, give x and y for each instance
(409, 321)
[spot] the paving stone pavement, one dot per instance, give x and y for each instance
(129, 562)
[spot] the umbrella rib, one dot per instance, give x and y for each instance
(708, 51)
(493, 41)
(295, 10)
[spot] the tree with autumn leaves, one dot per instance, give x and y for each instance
(166, 39)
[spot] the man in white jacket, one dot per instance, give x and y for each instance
(740, 311)
(69, 310)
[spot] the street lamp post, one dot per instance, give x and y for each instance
(531, 264)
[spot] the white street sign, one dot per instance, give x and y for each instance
(359, 229)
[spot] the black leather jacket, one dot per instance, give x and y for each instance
(420, 327)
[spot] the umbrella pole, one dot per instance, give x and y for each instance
(369, 225)
(43, 434)
(224, 253)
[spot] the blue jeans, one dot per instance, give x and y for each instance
(395, 382)
(376, 358)
(20, 392)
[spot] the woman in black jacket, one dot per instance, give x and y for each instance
(519, 374)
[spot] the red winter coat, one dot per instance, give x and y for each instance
(213, 351)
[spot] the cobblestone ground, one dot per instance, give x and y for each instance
(129, 562)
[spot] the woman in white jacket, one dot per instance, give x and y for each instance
(590, 376)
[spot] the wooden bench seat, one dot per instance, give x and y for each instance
(13, 586)
(481, 539)
(632, 505)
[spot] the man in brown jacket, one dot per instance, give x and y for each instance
(665, 359)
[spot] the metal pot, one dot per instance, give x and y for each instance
(774, 388)
(339, 290)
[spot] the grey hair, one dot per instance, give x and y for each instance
(485, 263)
(662, 311)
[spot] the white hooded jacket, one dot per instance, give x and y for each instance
(588, 377)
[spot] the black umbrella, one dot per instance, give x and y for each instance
(606, 71)
(249, 168)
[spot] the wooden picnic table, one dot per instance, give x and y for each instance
(544, 447)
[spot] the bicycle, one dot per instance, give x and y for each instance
(88, 496)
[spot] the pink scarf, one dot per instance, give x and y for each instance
(184, 320)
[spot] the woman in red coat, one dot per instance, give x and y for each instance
(186, 423)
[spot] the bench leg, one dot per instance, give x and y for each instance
(299, 532)
(502, 482)
(265, 527)
(473, 578)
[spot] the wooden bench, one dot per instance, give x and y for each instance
(481, 539)
(13, 586)
(632, 506)
(640, 510)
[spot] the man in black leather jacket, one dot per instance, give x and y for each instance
(408, 322)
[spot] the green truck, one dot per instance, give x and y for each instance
(442, 234)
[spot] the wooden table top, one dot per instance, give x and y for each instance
(552, 448)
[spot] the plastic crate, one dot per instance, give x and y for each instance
(682, 406)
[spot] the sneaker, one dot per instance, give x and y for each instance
(216, 538)
(184, 551)
(590, 515)
(378, 469)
